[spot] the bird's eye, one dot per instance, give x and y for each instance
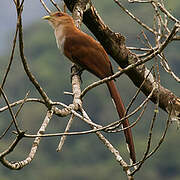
(59, 14)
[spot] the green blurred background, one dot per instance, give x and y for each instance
(82, 157)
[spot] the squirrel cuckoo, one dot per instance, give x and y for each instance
(87, 53)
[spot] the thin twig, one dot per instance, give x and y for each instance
(160, 141)
(11, 59)
(152, 123)
(45, 7)
(162, 46)
(56, 6)
(134, 17)
(23, 102)
(63, 138)
(165, 11)
(20, 102)
(139, 1)
(167, 68)
(131, 125)
(11, 111)
(130, 114)
(137, 92)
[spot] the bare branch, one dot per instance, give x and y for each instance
(21, 164)
(55, 5)
(115, 75)
(161, 139)
(23, 102)
(166, 67)
(11, 59)
(157, 146)
(139, 1)
(137, 93)
(63, 138)
(164, 10)
(20, 102)
(130, 114)
(9, 150)
(107, 128)
(11, 111)
(150, 134)
(25, 65)
(163, 45)
(70, 109)
(45, 7)
(134, 17)
(112, 149)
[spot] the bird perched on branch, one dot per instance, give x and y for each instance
(87, 53)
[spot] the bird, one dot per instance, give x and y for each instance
(86, 52)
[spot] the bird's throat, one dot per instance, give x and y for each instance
(60, 37)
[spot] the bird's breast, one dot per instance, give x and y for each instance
(60, 39)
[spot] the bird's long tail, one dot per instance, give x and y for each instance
(121, 111)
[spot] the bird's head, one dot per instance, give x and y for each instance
(58, 18)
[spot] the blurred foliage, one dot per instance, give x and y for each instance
(84, 157)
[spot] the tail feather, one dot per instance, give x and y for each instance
(121, 112)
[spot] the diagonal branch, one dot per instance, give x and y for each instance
(22, 103)
(63, 138)
(134, 17)
(11, 111)
(24, 61)
(114, 44)
(10, 61)
(45, 7)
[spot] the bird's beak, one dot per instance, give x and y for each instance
(46, 17)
